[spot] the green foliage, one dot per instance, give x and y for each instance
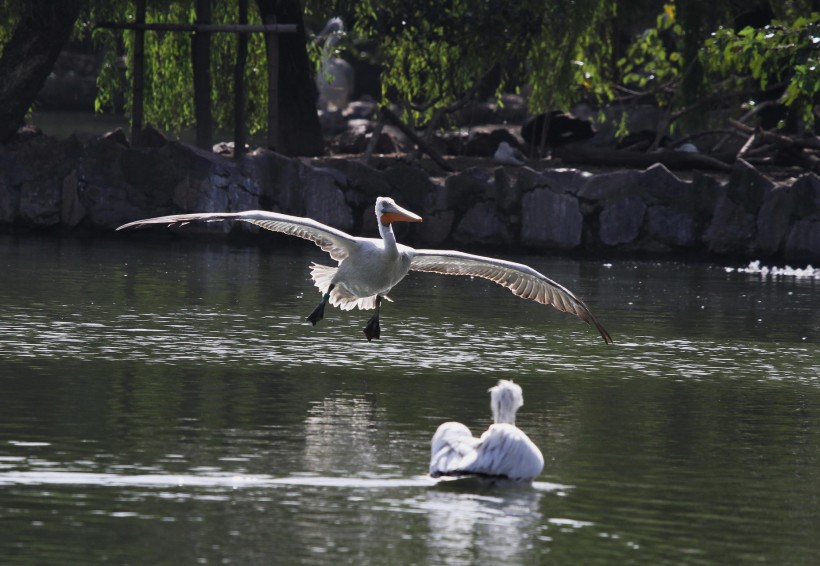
(168, 94)
(434, 51)
(784, 53)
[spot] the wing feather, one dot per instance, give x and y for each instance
(333, 241)
(521, 279)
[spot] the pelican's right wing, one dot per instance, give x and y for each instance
(333, 241)
(522, 280)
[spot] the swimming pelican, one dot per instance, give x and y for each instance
(502, 452)
(370, 267)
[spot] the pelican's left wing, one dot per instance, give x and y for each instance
(521, 279)
(333, 241)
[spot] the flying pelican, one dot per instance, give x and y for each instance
(370, 267)
(502, 452)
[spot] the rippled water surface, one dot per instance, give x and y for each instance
(165, 402)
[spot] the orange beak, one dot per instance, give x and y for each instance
(395, 213)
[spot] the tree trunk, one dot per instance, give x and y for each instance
(201, 54)
(299, 131)
(29, 56)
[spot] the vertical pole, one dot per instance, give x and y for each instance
(239, 85)
(201, 54)
(272, 48)
(139, 77)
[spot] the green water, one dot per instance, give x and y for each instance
(166, 403)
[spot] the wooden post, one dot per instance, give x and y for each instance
(272, 49)
(139, 77)
(201, 55)
(239, 130)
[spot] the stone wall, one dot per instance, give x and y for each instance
(99, 183)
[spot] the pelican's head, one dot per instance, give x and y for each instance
(334, 27)
(387, 211)
(505, 399)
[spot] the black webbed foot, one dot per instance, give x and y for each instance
(318, 313)
(372, 329)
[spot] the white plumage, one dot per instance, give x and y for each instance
(502, 452)
(335, 77)
(370, 267)
(508, 155)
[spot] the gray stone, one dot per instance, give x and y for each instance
(671, 227)
(482, 225)
(565, 180)
(410, 185)
(661, 186)
(747, 186)
(621, 220)
(325, 202)
(732, 228)
(617, 184)
(436, 228)
(773, 220)
(804, 241)
(806, 190)
(462, 190)
(72, 210)
(550, 220)
(40, 202)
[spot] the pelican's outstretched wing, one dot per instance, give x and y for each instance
(333, 241)
(521, 279)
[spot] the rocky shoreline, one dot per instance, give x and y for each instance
(93, 184)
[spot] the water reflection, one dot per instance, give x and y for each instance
(483, 528)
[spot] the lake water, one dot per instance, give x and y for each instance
(165, 402)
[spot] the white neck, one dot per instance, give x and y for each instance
(387, 235)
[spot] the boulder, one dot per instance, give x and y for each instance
(671, 227)
(621, 220)
(773, 220)
(803, 242)
(616, 184)
(550, 220)
(732, 228)
(325, 202)
(483, 225)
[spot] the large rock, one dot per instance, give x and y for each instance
(613, 185)
(661, 186)
(773, 220)
(671, 227)
(325, 202)
(621, 220)
(462, 190)
(482, 225)
(732, 228)
(804, 241)
(747, 186)
(550, 220)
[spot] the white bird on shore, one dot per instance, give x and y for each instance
(370, 267)
(502, 452)
(508, 155)
(335, 77)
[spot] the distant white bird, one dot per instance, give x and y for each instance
(370, 267)
(335, 78)
(508, 155)
(503, 451)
